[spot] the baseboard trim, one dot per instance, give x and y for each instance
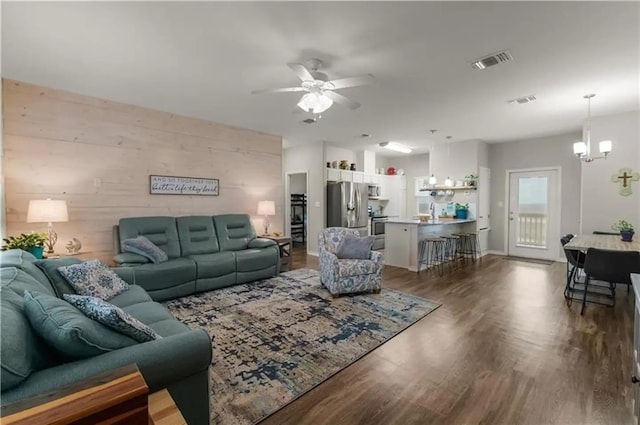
(313, 253)
(493, 252)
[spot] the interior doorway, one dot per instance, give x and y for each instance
(296, 194)
(533, 213)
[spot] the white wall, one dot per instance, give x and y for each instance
(602, 204)
(298, 183)
(454, 160)
(334, 153)
(310, 157)
(554, 151)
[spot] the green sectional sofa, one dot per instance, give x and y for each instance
(205, 253)
(179, 361)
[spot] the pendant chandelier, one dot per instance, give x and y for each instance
(583, 149)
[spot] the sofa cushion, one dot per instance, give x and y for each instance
(214, 265)
(348, 268)
(143, 246)
(23, 351)
(169, 327)
(161, 231)
(24, 261)
(50, 269)
(148, 312)
(355, 247)
(94, 278)
(197, 235)
(69, 331)
(256, 259)
(113, 317)
(234, 231)
(153, 277)
(134, 295)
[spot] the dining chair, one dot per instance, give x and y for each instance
(575, 263)
(612, 267)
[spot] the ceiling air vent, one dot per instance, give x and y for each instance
(309, 121)
(492, 59)
(524, 99)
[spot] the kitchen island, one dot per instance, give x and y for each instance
(402, 237)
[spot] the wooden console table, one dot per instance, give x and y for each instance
(284, 243)
(117, 397)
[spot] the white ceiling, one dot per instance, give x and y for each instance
(203, 59)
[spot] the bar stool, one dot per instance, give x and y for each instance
(431, 253)
(469, 245)
(451, 249)
(474, 243)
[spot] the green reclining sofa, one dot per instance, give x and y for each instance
(179, 361)
(205, 253)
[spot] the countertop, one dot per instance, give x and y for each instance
(428, 223)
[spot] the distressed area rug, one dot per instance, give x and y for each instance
(274, 340)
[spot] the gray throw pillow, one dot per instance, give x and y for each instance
(94, 278)
(355, 248)
(113, 317)
(65, 328)
(146, 248)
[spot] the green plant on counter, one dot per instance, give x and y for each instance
(622, 226)
(24, 241)
(462, 207)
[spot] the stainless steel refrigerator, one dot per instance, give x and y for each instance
(347, 206)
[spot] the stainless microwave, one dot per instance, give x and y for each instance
(374, 191)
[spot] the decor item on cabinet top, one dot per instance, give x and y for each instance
(344, 164)
(353, 166)
(334, 164)
(382, 171)
(391, 171)
(462, 211)
(400, 172)
(626, 230)
(470, 179)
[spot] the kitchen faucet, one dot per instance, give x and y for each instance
(432, 208)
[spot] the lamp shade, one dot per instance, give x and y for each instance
(315, 103)
(605, 146)
(47, 211)
(579, 148)
(266, 208)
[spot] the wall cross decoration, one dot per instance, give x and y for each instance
(624, 177)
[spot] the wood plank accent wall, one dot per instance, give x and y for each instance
(98, 154)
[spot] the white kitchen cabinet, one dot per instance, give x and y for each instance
(357, 177)
(375, 179)
(333, 175)
(394, 188)
(346, 175)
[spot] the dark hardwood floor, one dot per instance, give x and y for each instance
(503, 349)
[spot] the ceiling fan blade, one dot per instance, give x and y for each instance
(360, 80)
(301, 71)
(341, 100)
(282, 90)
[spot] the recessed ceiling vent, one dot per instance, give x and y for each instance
(309, 121)
(492, 59)
(524, 99)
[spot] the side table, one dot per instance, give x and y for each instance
(284, 243)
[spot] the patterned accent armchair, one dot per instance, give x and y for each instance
(347, 276)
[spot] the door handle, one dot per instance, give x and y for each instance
(634, 379)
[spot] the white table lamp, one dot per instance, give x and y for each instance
(266, 208)
(48, 211)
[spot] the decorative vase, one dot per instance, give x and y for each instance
(462, 214)
(344, 164)
(626, 236)
(353, 167)
(37, 251)
(334, 164)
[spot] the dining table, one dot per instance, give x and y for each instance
(610, 242)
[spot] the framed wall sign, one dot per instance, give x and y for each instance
(170, 185)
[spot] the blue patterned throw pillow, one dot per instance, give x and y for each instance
(146, 248)
(93, 278)
(113, 317)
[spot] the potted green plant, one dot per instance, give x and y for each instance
(625, 228)
(462, 211)
(470, 179)
(30, 242)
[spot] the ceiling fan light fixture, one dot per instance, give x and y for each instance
(315, 103)
(397, 147)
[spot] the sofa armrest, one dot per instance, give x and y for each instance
(377, 257)
(258, 243)
(130, 258)
(161, 362)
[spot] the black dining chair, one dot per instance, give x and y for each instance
(612, 267)
(575, 263)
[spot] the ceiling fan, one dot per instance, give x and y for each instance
(320, 94)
